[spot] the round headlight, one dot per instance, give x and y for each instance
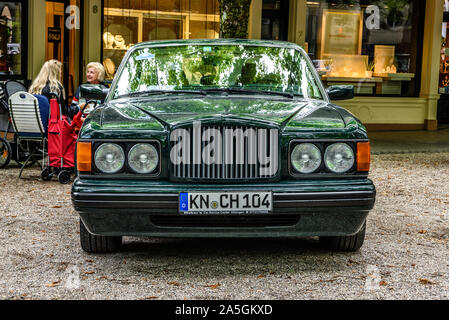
(143, 158)
(306, 158)
(109, 158)
(339, 157)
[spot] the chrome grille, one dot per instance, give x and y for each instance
(224, 152)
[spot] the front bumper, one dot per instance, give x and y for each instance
(150, 208)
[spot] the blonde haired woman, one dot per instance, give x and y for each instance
(95, 75)
(48, 82)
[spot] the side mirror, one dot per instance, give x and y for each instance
(340, 92)
(93, 92)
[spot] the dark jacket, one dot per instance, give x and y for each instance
(68, 111)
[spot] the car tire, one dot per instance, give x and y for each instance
(98, 244)
(345, 243)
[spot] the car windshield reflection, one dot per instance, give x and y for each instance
(218, 67)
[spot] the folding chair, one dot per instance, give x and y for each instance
(3, 100)
(28, 125)
(7, 89)
(12, 86)
(8, 144)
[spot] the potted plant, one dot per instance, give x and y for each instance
(369, 69)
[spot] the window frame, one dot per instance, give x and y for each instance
(23, 46)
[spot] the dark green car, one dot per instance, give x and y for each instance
(221, 138)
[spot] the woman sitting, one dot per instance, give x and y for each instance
(95, 75)
(48, 82)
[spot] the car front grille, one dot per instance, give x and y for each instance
(242, 153)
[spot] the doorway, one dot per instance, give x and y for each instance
(63, 23)
(275, 20)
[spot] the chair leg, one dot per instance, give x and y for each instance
(36, 157)
(40, 165)
(24, 164)
(31, 156)
(44, 142)
(34, 154)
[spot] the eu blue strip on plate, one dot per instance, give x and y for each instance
(183, 201)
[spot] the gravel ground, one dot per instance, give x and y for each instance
(405, 255)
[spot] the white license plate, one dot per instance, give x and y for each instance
(225, 202)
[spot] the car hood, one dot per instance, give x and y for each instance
(163, 112)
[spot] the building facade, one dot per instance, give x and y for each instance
(392, 51)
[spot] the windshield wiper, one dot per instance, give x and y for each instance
(243, 90)
(157, 92)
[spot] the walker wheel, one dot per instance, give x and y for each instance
(64, 177)
(46, 174)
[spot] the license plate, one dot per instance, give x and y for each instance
(225, 202)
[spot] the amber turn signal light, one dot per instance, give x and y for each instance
(84, 156)
(363, 156)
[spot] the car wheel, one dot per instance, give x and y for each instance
(345, 243)
(98, 244)
(5, 153)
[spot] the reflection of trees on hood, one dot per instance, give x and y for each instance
(214, 105)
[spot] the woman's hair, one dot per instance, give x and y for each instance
(99, 68)
(50, 73)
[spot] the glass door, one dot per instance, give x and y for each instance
(63, 39)
(275, 19)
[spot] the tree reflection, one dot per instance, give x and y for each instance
(198, 67)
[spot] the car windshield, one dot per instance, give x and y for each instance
(212, 68)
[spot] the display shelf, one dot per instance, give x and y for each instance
(396, 76)
(351, 79)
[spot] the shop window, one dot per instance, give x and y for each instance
(374, 45)
(12, 46)
(129, 22)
